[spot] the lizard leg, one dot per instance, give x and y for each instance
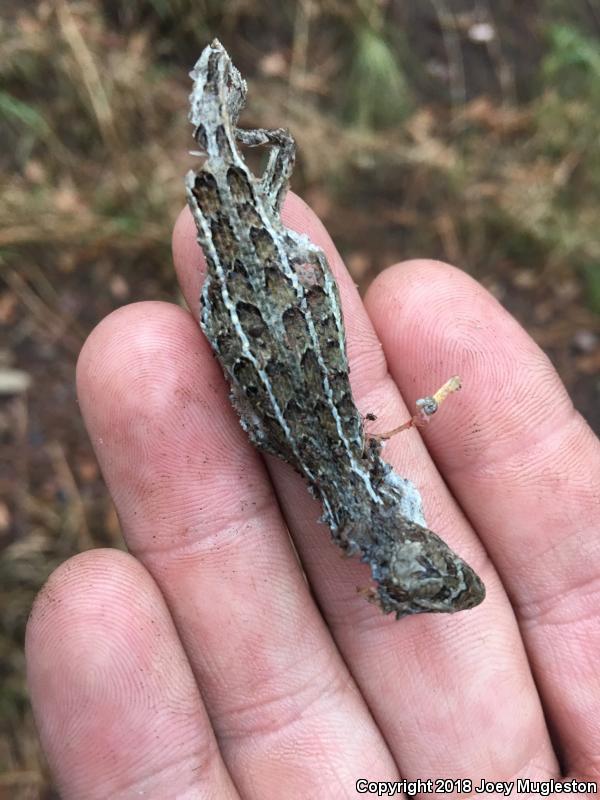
(274, 180)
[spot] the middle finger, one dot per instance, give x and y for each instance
(443, 689)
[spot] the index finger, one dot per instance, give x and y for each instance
(526, 469)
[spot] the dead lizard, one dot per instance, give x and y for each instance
(271, 311)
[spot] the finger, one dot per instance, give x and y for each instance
(405, 669)
(524, 466)
(197, 508)
(116, 705)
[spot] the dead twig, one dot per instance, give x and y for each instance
(456, 67)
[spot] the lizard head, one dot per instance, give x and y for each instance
(217, 84)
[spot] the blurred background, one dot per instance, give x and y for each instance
(465, 130)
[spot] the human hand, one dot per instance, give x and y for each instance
(204, 664)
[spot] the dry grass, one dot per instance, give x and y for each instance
(499, 173)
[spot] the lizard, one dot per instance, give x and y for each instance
(271, 310)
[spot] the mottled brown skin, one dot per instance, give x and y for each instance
(271, 311)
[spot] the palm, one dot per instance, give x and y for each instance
(208, 666)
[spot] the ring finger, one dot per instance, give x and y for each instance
(197, 509)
